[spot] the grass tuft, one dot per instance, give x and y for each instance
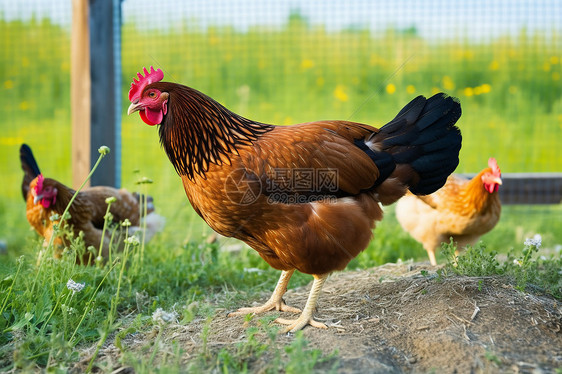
(526, 270)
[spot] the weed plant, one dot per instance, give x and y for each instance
(527, 270)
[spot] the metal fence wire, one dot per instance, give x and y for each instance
(286, 62)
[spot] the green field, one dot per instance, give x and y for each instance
(509, 88)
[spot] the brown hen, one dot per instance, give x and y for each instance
(46, 197)
(305, 197)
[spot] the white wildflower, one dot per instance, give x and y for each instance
(104, 150)
(132, 240)
(110, 199)
(160, 316)
(253, 270)
(67, 309)
(74, 287)
(126, 222)
(535, 241)
(517, 262)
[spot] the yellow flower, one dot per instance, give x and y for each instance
(448, 83)
(468, 91)
(435, 90)
(24, 105)
(340, 94)
(8, 84)
(555, 76)
(11, 141)
(307, 64)
(546, 66)
(554, 60)
(494, 65)
(410, 89)
(390, 88)
(485, 88)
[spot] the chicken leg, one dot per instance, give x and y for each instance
(275, 301)
(431, 254)
(306, 316)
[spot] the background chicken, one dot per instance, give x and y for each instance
(305, 197)
(463, 209)
(46, 197)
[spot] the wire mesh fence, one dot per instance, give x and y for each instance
(288, 62)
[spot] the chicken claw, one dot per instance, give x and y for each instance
(306, 317)
(277, 304)
(297, 324)
(275, 301)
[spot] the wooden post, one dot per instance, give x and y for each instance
(103, 108)
(80, 92)
(95, 90)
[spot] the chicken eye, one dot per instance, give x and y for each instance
(152, 94)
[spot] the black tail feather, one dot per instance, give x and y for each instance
(29, 167)
(424, 136)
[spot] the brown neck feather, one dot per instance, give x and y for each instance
(64, 194)
(476, 194)
(198, 131)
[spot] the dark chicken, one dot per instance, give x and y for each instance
(46, 197)
(305, 197)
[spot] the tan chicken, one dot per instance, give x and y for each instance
(462, 209)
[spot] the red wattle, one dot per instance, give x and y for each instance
(145, 119)
(154, 116)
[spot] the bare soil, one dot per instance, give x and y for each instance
(394, 319)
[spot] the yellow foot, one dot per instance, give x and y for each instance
(299, 323)
(270, 305)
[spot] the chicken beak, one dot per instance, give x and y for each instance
(37, 198)
(497, 180)
(134, 107)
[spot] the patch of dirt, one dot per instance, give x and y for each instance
(393, 319)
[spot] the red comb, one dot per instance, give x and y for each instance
(138, 85)
(39, 185)
(493, 164)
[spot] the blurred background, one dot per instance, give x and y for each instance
(286, 62)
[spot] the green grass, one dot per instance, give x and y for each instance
(526, 270)
(511, 96)
(193, 279)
